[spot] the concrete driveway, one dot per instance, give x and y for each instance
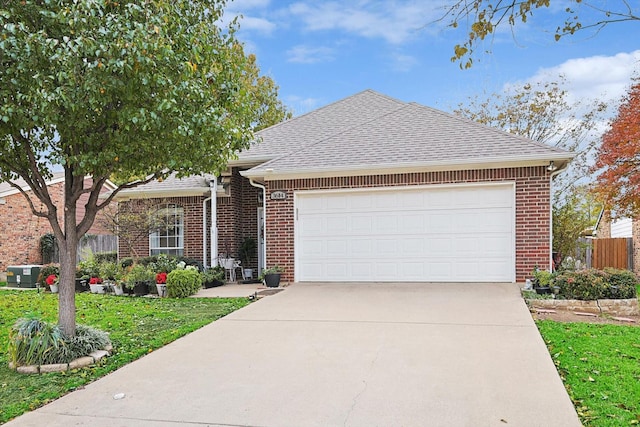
(340, 355)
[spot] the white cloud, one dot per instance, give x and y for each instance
(395, 22)
(309, 55)
(256, 24)
(248, 4)
(301, 105)
(605, 78)
(403, 63)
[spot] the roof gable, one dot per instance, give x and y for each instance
(410, 136)
(319, 124)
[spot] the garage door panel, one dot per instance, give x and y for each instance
(418, 234)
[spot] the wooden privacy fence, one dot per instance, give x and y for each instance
(91, 243)
(616, 253)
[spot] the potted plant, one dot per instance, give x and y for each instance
(161, 284)
(45, 272)
(111, 272)
(95, 283)
(246, 252)
(542, 281)
(213, 277)
(139, 278)
(271, 276)
(52, 282)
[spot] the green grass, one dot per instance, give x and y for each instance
(137, 326)
(600, 367)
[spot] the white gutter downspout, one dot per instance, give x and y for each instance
(264, 220)
(204, 232)
(214, 223)
(551, 176)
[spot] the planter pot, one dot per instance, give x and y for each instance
(93, 288)
(100, 289)
(272, 280)
(82, 285)
(543, 290)
(141, 289)
(118, 290)
(162, 290)
(247, 273)
(213, 284)
(54, 289)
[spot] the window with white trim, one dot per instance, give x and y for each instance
(168, 238)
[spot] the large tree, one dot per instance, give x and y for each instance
(542, 112)
(619, 158)
(485, 17)
(120, 89)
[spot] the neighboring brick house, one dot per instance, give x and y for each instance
(21, 230)
(621, 227)
(370, 189)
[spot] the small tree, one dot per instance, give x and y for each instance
(119, 89)
(618, 161)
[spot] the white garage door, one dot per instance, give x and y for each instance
(420, 234)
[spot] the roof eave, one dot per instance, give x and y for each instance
(161, 193)
(271, 174)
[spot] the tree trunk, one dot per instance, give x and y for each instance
(67, 287)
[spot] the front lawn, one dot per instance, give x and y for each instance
(600, 367)
(137, 326)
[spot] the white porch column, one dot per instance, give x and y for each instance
(214, 223)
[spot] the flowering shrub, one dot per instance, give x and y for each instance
(161, 278)
(51, 279)
(95, 281)
(595, 284)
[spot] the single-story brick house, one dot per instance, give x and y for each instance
(21, 230)
(371, 188)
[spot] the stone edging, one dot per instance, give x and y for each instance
(615, 307)
(80, 362)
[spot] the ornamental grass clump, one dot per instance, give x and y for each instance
(35, 342)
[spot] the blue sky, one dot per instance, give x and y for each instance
(322, 51)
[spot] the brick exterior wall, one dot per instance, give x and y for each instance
(192, 208)
(237, 218)
(532, 210)
(21, 230)
(604, 228)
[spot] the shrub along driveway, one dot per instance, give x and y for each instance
(341, 355)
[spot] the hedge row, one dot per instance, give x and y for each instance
(595, 284)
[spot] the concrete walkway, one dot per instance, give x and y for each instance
(340, 355)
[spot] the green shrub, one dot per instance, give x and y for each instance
(126, 262)
(597, 284)
(622, 283)
(110, 270)
(544, 278)
(35, 342)
(183, 283)
(102, 257)
(582, 285)
(139, 274)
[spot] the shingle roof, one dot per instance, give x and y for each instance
(319, 124)
(190, 185)
(409, 135)
(6, 188)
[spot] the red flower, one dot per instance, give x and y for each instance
(161, 278)
(51, 279)
(95, 281)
